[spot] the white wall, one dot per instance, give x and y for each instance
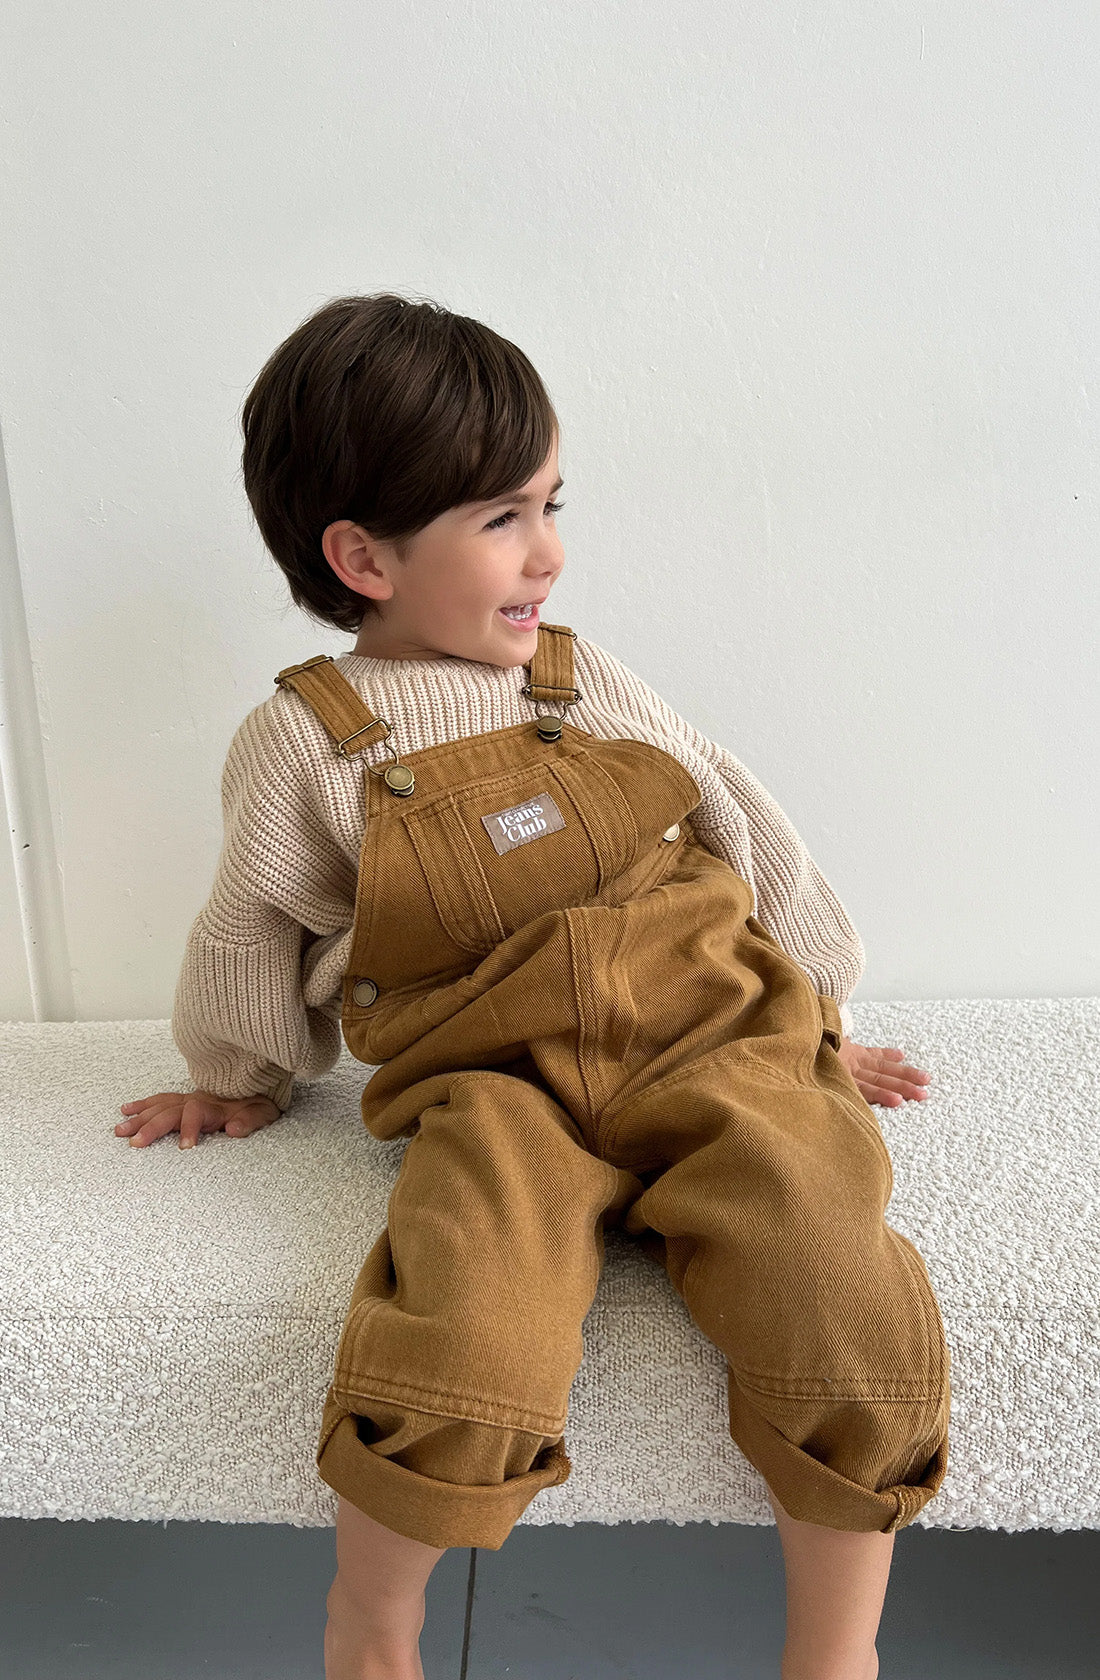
(814, 289)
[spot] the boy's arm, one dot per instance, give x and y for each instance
(240, 1019)
(257, 1002)
(794, 901)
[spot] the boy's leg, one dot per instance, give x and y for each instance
(376, 1603)
(836, 1585)
(771, 1219)
(463, 1334)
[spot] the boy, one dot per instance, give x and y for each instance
(533, 914)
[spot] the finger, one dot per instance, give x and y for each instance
(245, 1127)
(904, 1088)
(195, 1118)
(133, 1113)
(876, 1094)
(148, 1111)
(895, 1057)
(908, 1079)
(160, 1126)
(126, 1128)
(896, 1074)
(881, 1091)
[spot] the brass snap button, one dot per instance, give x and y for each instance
(399, 779)
(672, 833)
(364, 992)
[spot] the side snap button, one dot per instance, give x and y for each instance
(364, 991)
(672, 833)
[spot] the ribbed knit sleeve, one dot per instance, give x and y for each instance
(257, 1002)
(794, 901)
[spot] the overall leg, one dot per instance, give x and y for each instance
(771, 1212)
(463, 1335)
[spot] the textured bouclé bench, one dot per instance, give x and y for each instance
(169, 1319)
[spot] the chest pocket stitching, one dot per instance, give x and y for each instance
(476, 879)
(601, 836)
(447, 797)
(574, 740)
(684, 781)
(613, 851)
(459, 919)
(476, 924)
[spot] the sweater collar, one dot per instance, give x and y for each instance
(366, 666)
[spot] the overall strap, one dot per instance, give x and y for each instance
(551, 666)
(552, 678)
(352, 724)
(348, 719)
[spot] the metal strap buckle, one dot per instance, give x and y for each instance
(340, 745)
(575, 692)
(292, 670)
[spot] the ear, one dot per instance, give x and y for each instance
(356, 559)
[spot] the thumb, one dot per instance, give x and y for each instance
(250, 1118)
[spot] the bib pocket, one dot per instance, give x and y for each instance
(498, 852)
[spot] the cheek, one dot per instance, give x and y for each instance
(494, 591)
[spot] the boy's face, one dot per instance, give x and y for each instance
(460, 571)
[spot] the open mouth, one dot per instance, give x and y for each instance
(521, 618)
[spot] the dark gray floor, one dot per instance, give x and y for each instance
(145, 1601)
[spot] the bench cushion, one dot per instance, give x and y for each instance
(168, 1318)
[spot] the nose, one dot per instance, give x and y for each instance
(554, 555)
(544, 581)
(545, 568)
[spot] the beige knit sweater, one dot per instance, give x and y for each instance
(258, 1000)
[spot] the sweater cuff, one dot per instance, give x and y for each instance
(846, 1020)
(233, 1083)
(283, 1094)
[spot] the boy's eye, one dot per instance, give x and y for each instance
(505, 518)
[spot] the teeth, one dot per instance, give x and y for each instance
(519, 612)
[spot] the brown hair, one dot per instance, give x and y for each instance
(385, 411)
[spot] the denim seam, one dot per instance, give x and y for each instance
(363, 915)
(448, 920)
(384, 1388)
(933, 1333)
(628, 829)
(541, 1422)
(666, 1082)
(586, 1020)
(480, 784)
(799, 1389)
(868, 1125)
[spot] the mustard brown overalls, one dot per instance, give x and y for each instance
(577, 1022)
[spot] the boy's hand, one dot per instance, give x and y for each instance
(882, 1075)
(192, 1112)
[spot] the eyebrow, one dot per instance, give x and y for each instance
(517, 497)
